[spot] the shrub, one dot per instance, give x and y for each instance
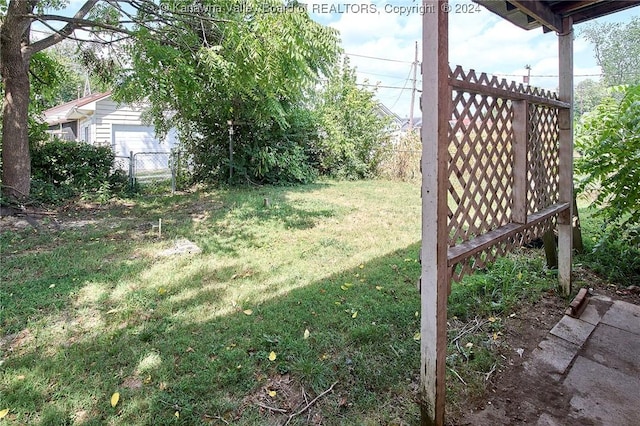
(62, 169)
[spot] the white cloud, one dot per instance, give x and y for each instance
(480, 40)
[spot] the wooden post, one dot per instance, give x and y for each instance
(519, 208)
(436, 101)
(565, 121)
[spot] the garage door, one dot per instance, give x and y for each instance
(149, 152)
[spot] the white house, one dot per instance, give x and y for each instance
(98, 120)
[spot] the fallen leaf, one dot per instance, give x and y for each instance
(361, 266)
(468, 345)
(162, 291)
(272, 356)
(52, 286)
(492, 319)
(272, 393)
(21, 377)
(247, 311)
(177, 414)
(355, 314)
(114, 399)
(306, 333)
(416, 336)
(495, 336)
(378, 287)
(4, 413)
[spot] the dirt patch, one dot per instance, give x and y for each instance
(515, 395)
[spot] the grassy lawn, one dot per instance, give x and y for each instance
(323, 279)
(296, 291)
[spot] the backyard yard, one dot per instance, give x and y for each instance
(271, 305)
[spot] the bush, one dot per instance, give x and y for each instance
(62, 169)
(608, 140)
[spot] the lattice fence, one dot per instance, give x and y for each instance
(502, 167)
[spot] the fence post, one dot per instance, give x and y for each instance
(172, 160)
(131, 170)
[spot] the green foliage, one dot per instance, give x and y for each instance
(63, 169)
(608, 140)
(608, 255)
(254, 69)
(587, 96)
(354, 133)
(617, 50)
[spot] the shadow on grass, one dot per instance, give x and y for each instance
(217, 369)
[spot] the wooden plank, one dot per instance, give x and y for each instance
(436, 113)
(520, 167)
(462, 251)
(506, 94)
(565, 124)
(541, 13)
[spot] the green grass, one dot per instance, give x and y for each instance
(93, 310)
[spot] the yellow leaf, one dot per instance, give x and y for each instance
(306, 333)
(361, 266)
(519, 275)
(52, 286)
(4, 413)
(344, 287)
(378, 287)
(492, 319)
(416, 336)
(272, 356)
(469, 345)
(495, 336)
(162, 291)
(247, 311)
(177, 414)
(355, 314)
(272, 393)
(114, 399)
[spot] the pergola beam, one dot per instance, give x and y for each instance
(541, 13)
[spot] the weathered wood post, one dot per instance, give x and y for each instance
(434, 281)
(565, 124)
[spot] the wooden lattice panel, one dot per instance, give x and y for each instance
(484, 219)
(543, 171)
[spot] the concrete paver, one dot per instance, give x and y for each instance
(573, 330)
(604, 394)
(623, 315)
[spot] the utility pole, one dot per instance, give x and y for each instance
(413, 89)
(527, 78)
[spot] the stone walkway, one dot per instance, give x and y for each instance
(585, 372)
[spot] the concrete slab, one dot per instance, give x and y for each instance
(572, 330)
(623, 315)
(605, 395)
(615, 348)
(553, 355)
(591, 314)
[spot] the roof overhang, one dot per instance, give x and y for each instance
(551, 15)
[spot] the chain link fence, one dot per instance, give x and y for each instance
(147, 167)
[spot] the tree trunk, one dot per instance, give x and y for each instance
(16, 161)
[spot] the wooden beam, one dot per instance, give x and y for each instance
(436, 113)
(602, 9)
(565, 124)
(520, 163)
(540, 12)
(462, 251)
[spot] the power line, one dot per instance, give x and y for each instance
(378, 58)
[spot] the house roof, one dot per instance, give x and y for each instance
(549, 14)
(73, 110)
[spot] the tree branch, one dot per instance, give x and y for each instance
(64, 33)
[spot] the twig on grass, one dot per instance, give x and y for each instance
(216, 418)
(486, 378)
(306, 407)
(277, 410)
(458, 376)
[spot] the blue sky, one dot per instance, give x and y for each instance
(478, 39)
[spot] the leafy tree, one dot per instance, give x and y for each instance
(617, 50)
(354, 130)
(608, 140)
(587, 95)
(254, 67)
(105, 21)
